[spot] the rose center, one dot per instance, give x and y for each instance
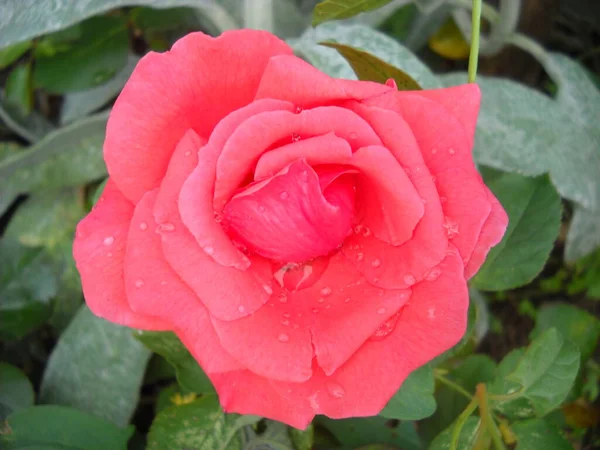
(295, 216)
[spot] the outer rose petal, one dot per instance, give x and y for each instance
(445, 147)
(292, 79)
(196, 197)
(195, 85)
(228, 293)
(154, 289)
(432, 322)
(254, 137)
(402, 266)
(99, 250)
(491, 234)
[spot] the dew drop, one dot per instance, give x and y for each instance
(267, 289)
(188, 153)
(163, 283)
(451, 151)
(434, 150)
(283, 337)
(321, 300)
(376, 262)
(409, 279)
(424, 201)
(366, 232)
(218, 217)
(241, 308)
(209, 250)
(295, 137)
(353, 135)
(139, 283)
(109, 240)
(109, 254)
(381, 311)
(326, 291)
(335, 390)
(261, 208)
(286, 315)
(328, 307)
(315, 310)
(443, 200)
(283, 298)
(431, 313)
(386, 328)
(433, 274)
(143, 226)
(285, 322)
(347, 300)
(299, 109)
(284, 195)
(165, 227)
(451, 227)
(360, 256)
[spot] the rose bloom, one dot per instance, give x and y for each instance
(307, 238)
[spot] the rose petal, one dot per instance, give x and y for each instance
(227, 293)
(257, 134)
(154, 289)
(99, 251)
(491, 234)
(402, 266)
(292, 79)
(193, 86)
(287, 217)
(196, 197)
(390, 204)
(428, 325)
(326, 149)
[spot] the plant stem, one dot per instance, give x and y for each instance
(487, 419)
(475, 32)
(452, 385)
(460, 423)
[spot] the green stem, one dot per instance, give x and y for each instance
(486, 417)
(460, 423)
(452, 385)
(475, 32)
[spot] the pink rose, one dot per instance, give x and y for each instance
(307, 238)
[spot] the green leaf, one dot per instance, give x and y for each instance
(61, 428)
(368, 40)
(77, 105)
(584, 234)
(31, 127)
(302, 439)
(19, 89)
(535, 434)
(473, 370)
(164, 398)
(414, 400)
(96, 367)
(274, 437)
(70, 156)
(23, 22)
(534, 212)
(90, 61)
(16, 391)
(336, 9)
(10, 54)
(199, 424)
(353, 433)
(543, 375)
(157, 20)
(370, 68)
(189, 374)
(27, 284)
(466, 438)
(573, 323)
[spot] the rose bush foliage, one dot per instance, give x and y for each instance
(307, 238)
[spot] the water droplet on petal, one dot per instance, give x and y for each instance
(360, 256)
(283, 298)
(433, 274)
(431, 313)
(328, 307)
(299, 109)
(139, 283)
(241, 308)
(326, 291)
(366, 232)
(451, 227)
(285, 322)
(284, 195)
(163, 283)
(286, 315)
(283, 337)
(386, 328)
(165, 227)
(109, 254)
(321, 300)
(295, 137)
(315, 310)
(409, 279)
(353, 135)
(347, 300)
(109, 240)
(188, 153)
(143, 226)
(209, 250)
(335, 390)
(218, 217)
(443, 200)
(424, 201)
(267, 289)
(434, 150)
(376, 262)
(261, 208)
(381, 311)
(451, 151)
